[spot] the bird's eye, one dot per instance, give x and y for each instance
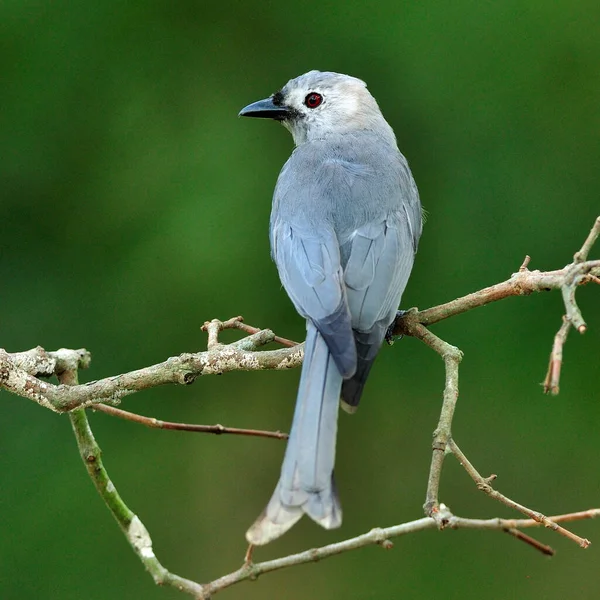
(313, 100)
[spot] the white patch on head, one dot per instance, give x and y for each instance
(347, 106)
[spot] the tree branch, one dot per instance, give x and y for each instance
(20, 373)
(484, 484)
(158, 424)
(382, 537)
(552, 379)
(138, 537)
(18, 376)
(136, 534)
(582, 255)
(522, 283)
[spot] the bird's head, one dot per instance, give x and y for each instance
(318, 104)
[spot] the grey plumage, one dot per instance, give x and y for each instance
(345, 225)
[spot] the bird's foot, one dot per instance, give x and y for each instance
(389, 334)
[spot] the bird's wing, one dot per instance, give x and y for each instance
(380, 261)
(310, 269)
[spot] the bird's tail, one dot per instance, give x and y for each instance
(367, 346)
(306, 483)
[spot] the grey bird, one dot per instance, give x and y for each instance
(345, 224)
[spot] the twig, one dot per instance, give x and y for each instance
(277, 339)
(452, 357)
(525, 264)
(158, 424)
(250, 571)
(592, 513)
(136, 533)
(484, 484)
(249, 553)
(443, 442)
(566, 518)
(523, 537)
(589, 242)
(573, 316)
(552, 380)
(214, 327)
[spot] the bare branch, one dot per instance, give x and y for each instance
(182, 369)
(552, 380)
(141, 542)
(135, 532)
(589, 242)
(522, 283)
(452, 357)
(263, 336)
(573, 316)
(543, 548)
(381, 537)
(278, 340)
(525, 264)
(158, 424)
(484, 484)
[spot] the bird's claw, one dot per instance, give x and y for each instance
(389, 334)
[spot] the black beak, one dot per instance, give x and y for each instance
(265, 109)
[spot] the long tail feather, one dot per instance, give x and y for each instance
(306, 483)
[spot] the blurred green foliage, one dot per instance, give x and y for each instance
(135, 206)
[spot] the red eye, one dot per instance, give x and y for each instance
(313, 100)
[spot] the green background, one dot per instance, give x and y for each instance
(134, 206)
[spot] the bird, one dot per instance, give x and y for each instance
(344, 230)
